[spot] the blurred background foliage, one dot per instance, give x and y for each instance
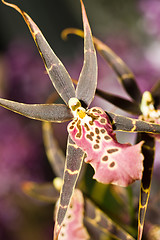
(131, 28)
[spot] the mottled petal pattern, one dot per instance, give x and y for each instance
(87, 82)
(73, 227)
(73, 164)
(113, 162)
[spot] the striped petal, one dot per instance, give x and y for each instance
(56, 71)
(87, 82)
(72, 169)
(42, 112)
(121, 123)
(148, 150)
(73, 227)
(100, 226)
(124, 104)
(124, 74)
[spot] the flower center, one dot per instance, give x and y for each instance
(147, 106)
(77, 110)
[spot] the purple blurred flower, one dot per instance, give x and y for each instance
(22, 155)
(151, 12)
(27, 79)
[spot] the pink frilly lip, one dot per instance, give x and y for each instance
(113, 162)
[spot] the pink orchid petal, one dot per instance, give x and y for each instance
(113, 162)
(73, 227)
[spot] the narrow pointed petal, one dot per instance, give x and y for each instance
(126, 105)
(57, 72)
(87, 82)
(148, 150)
(42, 112)
(73, 166)
(121, 123)
(99, 224)
(124, 74)
(94, 135)
(54, 153)
(41, 191)
(73, 227)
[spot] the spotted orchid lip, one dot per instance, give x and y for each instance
(104, 153)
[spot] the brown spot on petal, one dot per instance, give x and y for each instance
(89, 137)
(112, 164)
(96, 146)
(103, 120)
(91, 122)
(107, 137)
(96, 130)
(105, 158)
(69, 216)
(91, 133)
(103, 130)
(98, 137)
(79, 122)
(97, 141)
(78, 135)
(71, 127)
(86, 126)
(96, 110)
(112, 150)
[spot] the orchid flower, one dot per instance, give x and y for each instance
(142, 104)
(84, 220)
(85, 121)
